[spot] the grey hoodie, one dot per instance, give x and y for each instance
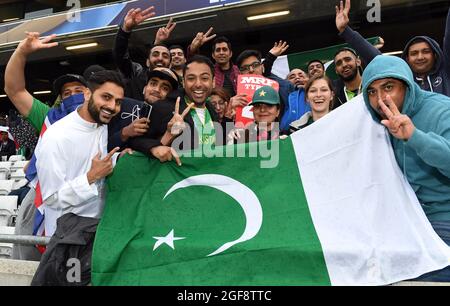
(438, 80)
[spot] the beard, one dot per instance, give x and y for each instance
(351, 77)
(95, 112)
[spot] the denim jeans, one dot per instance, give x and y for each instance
(442, 228)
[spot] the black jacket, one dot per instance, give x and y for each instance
(162, 112)
(135, 74)
(70, 247)
(130, 110)
(8, 149)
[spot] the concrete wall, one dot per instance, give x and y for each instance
(17, 272)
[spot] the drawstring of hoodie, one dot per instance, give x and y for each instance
(429, 82)
(404, 160)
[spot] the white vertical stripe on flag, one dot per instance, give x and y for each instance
(371, 226)
(281, 67)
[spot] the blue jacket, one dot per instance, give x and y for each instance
(425, 157)
(295, 108)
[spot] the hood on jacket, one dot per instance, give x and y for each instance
(383, 67)
(434, 45)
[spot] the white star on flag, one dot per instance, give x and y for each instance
(169, 239)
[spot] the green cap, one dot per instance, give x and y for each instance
(266, 95)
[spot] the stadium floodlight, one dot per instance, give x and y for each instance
(269, 15)
(82, 46)
(11, 19)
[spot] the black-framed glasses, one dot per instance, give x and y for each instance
(253, 65)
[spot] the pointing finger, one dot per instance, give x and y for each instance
(175, 155)
(110, 154)
(177, 106)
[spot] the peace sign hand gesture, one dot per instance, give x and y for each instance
(176, 125)
(33, 43)
(163, 33)
(399, 125)
(135, 17)
(201, 39)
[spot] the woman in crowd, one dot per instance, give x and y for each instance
(266, 111)
(319, 94)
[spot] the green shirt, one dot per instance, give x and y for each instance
(38, 112)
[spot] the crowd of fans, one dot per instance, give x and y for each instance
(180, 94)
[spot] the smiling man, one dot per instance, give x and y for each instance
(348, 68)
(190, 107)
(133, 119)
(419, 126)
(72, 166)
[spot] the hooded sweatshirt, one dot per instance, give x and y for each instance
(425, 157)
(438, 80)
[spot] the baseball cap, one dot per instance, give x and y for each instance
(266, 95)
(67, 78)
(91, 70)
(164, 74)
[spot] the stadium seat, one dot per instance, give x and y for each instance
(19, 183)
(17, 174)
(5, 187)
(4, 170)
(8, 209)
(14, 158)
(18, 165)
(6, 248)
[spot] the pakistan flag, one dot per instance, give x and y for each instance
(334, 209)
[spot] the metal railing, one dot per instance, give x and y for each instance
(24, 239)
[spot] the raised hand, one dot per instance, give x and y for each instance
(342, 12)
(398, 124)
(279, 48)
(101, 168)
(201, 39)
(33, 42)
(176, 125)
(135, 17)
(163, 33)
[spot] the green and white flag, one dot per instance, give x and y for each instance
(336, 210)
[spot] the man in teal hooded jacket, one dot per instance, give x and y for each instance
(419, 125)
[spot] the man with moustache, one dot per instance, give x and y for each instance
(133, 120)
(168, 116)
(72, 166)
(178, 60)
(348, 68)
(298, 78)
(315, 68)
(158, 56)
